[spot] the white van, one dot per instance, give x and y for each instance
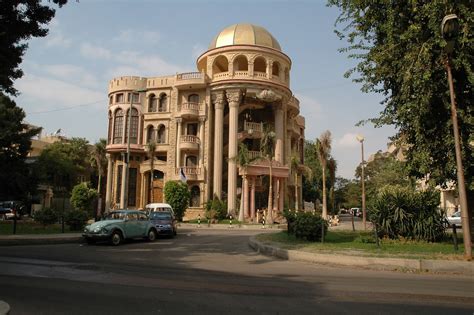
(152, 207)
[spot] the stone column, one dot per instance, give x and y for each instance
(269, 68)
(202, 120)
(218, 99)
(245, 195)
(124, 181)
(279, 133)
(281, 195)
(252, 199)
(233, 98)
(178, 143)
(108, 191)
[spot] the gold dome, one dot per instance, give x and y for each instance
(245, 34)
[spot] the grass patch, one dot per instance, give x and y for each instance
(363, 243)
(30, 227)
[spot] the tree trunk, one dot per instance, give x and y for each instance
(270, 196)
(296, 192)
(325, 209)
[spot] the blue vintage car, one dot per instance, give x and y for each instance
(120, 225)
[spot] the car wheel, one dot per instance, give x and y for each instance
(151, 235)
(116, 238)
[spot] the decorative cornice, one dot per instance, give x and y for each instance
(218, 97)
(233, 96)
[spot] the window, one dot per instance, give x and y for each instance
(118, 126)
(132, 186)
(152, 103)
(119, 98)
(191, 161)
(221, 64)
(276, 69)
(111, 99)
(133, 216)
(119, 184)
(193, 98)
(163, 103)
(192, 129)
(260, 65)
(142, 217)
(195, 196)
(161, 134)
(136, 97)
(109, 131)
(133, 127)
(150, 134)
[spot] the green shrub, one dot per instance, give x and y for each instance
(309, 226)
(76, 219)
(400, 212)
(177, 195)
(216, 209)
(290, 217)
(46, 216)
(82, 197)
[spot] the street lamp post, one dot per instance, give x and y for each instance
(127, 165)
(360, 138)
(449, 29)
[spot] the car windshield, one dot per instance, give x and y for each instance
(157, 215)
(116, 216)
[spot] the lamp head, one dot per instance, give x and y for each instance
(449, 31)
(360, 138)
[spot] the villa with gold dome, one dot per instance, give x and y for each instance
(199, 120)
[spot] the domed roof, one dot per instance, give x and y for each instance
(245, 34)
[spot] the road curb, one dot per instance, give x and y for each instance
(430, 265)
(15, 241)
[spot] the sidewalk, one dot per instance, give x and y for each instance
(376, 263)
(39, 239)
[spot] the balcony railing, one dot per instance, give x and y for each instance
(221, 75)
(190, 139)
(190, 106)
(254, 154)
(189, 170)
(253, 126)
(241, 74)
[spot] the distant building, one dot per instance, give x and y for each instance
(198, 120)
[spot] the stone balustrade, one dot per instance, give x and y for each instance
(189, 76)
(254, 154)
(190, 139)
(253, 126)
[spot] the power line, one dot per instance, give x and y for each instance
(67, 108)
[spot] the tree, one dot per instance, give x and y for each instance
(295, 167)
(323, 149)
(311, 186)
(15, 142)
(177, 195)
(23, 19)
(332, 167)
(267, 148)
(82, 196)
(98, 160)
(150, 148)
(243, 160)
(401, 55)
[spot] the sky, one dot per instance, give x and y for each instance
(92, 41)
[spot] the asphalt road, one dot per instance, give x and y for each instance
(210, 272)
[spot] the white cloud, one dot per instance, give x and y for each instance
(312, 111)
(53, 93)
(95, 52)
(348, 140)
(130, 36)
(72, 74)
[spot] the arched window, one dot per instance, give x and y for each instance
(193, 98)
(111, 99)
(221, 64)
(109, 131)
(152, 103)
(276, 69)
(241, 64)
(150, 134)
(191, 161)
(161, 134)
(118, 126)
(260, 65)
(133, 127)
(163, 103)
(195, 196)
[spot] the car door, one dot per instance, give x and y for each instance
(132, 226)
(143, 223)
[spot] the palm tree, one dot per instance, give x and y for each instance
(243, 160)
(150, 148)
(296, 166)
(332, 167)
(323, 149)
(99, 161)
(267, 148)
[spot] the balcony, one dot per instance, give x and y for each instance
(189, 142)
(246, 75)
(254, 155)
(190, 80)
(191, 172)
(252, 130)
(189, 110)
(294, 105)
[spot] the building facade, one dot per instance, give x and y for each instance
(197, 122)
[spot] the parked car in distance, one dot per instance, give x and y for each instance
(356, 212)
(151, 207)
(455, 219)
(164, 222)
(10, 209)
(120, 225)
